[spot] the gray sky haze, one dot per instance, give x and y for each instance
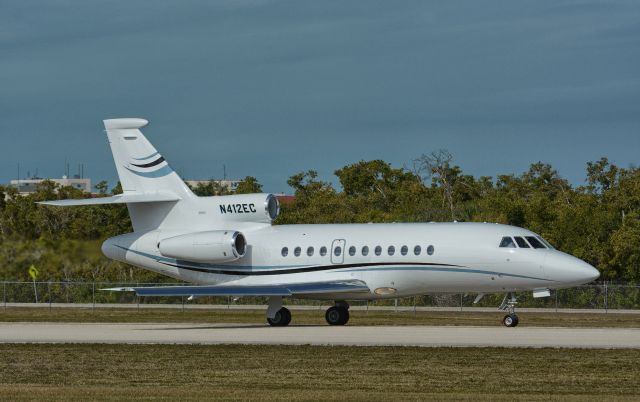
(271, 88)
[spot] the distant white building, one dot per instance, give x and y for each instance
(28, 186)
(230, 185)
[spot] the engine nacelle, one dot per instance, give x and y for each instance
(212, 246)
(262, 208)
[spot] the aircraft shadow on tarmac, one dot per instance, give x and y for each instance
(222, 327)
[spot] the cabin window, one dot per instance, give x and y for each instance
(297, 251)
(310, 251)
(365, 250)
(337, 251)
(352, 251)
(430, 250)
(417, 250)
(535, 242)
(522, 243)
(323, 251)
(285, 251)
(378, 250)
(391, 250)
(507, 242)
(404, 250)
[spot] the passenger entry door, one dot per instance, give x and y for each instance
(337, 251)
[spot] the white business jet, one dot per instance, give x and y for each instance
(227, 246)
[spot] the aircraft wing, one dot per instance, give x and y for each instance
(116, 199)
(314, 288)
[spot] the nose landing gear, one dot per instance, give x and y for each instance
(509, 304)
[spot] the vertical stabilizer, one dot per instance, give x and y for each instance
(142, 170)
(140, 166)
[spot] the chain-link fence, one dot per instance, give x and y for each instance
(601, 296)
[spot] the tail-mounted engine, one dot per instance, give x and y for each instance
(262, 208)
(215, 246)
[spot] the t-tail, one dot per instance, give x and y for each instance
(141, 168)
(153, 192)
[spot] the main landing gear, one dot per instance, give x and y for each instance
(338, 314)
(509, 304)
(278, 316)
(281, 319)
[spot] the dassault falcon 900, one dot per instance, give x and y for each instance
(227, 246)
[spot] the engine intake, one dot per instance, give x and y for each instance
(212, 246)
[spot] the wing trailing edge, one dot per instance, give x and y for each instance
(314, 288)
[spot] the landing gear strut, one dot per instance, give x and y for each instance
(277, 316)
(509, 305)
(338, 314)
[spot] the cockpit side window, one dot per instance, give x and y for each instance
(546, 243)
(522, 243)
(535, 242)
(507, 242)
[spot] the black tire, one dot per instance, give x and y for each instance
(507, 320)
(337, 315)
(282, 318)
(510, 320)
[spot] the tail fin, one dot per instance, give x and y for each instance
(144, 172)
(155, 196)
(140, 167)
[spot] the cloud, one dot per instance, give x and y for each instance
(321, 84)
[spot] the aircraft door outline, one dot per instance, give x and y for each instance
(338, 244)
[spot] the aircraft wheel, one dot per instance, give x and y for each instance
(510, 320)
(337, 315)
(282, 318)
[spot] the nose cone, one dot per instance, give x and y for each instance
(568, 270)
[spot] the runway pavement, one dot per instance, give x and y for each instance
(428, 336)
(318, 307)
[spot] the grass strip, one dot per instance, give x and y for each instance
(316, 317)
(271, 373)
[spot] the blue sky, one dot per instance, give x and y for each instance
(271, 88)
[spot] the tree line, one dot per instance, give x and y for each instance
(598, 221)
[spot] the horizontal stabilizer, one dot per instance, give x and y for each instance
(264, 290)
(116, 199)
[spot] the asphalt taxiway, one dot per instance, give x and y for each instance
(427, 336)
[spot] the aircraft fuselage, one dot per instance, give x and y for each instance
(395, 260)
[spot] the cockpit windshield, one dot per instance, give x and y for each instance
(522, 243)
(537, 242)
(546, 243)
